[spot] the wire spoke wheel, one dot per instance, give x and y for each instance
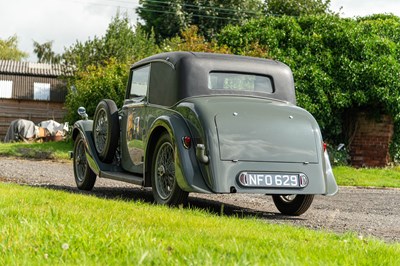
(101, 131)
(165, 174)
(84, 176)
(80, 161)
(165, 186)
(106, 130)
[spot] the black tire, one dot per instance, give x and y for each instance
(165, 188)
(84, 176)
(293, 204)
(106, 130)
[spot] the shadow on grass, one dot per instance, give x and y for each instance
(145, 195)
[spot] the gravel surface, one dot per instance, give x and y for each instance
(366, 211)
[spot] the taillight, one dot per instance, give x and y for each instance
(324, 145)
(186, 141)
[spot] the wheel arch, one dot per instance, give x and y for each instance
(84, 128)
(187, 169)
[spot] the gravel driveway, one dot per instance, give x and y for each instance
(369, 212)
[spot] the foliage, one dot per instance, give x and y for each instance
(340, 65)
(338, 155)
(56, 227)
(94, 84)
(165, 18)
(298, 7)
(209, 16)
(9, 49)
(192, 41)
(45, 53)
(101, 65)
(120, 42)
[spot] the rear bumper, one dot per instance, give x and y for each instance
(321, 179)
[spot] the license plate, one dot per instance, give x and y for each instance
(272, 180)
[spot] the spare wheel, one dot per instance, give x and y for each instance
(106, 130)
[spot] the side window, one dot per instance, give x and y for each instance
(6, 88)
(140, 81)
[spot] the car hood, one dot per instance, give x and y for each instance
(256, 129)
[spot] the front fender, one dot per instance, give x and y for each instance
(85, 128)
(187, 169)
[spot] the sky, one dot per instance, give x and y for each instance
(66, 21)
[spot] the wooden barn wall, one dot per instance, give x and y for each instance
(36, 111)
(23, 86)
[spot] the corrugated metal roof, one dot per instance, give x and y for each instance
(29, 68)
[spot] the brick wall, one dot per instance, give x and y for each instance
(369, 146)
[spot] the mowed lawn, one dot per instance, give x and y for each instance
(368, 177)
(46, 227)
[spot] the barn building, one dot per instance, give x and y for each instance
(31, 91)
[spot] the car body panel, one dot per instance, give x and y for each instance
(263, 130)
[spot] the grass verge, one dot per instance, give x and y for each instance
(45, 150)
(45, 227)
(368, 177)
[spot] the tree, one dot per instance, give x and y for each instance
(120, 42)
(168, 18)
(101, 65)
(9, 49)
(95, 83)
(298, 7)
(212, 16)
(337, 64)
(45, 54)
(193, 42)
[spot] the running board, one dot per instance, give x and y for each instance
(122, 176)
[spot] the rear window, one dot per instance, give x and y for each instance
(240, 82)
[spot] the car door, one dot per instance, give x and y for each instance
(133, 120)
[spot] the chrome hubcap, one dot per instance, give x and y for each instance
(288, 198)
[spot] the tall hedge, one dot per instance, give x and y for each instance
(340, 65)
(95, 83)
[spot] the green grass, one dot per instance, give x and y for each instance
(45, 150)
(46, 227)
(368, 177)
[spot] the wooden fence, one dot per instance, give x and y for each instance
(35, 111)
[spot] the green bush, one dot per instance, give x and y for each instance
(339, 65)
(93, 85)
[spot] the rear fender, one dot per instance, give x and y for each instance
(331, 186)
(187, 169)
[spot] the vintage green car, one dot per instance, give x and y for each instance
(208, 123)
